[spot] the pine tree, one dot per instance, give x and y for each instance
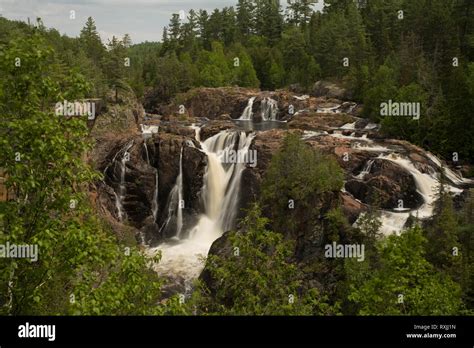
(91, 42)
(268, 20)
(299, 11)
(245, 18)
(114, 65)
(443, 248)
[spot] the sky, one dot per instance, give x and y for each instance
(143, 20)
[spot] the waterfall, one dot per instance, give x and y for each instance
(181, 256)
(118, 206)
(197, 132)
(173, 205)
(269, 109)
(146, 152)
(247, 114)
(221, 183)
(122, 189)
(179, 181)
(154, 203)
(311, 134)
(149, 129)
(455, 178)
(366, 170)
(426, 184)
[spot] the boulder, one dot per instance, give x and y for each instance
(330, 90)
(385, 185)
(351, 207)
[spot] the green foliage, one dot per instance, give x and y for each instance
(243, 72)
(114, 65)
(383, 88)
(81, 269)
(407, 127)
(370, 223)
(466, 241)
(257, 277)
(404, 283)
(300, 66)
(91, 42)
(443, 236)
(406, 60)
(297, 174)
(389, 58)
(214, 67)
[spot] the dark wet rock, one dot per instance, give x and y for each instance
(361, 123)
(351, 207)
(140, 177)
(212, 128)
(330, 90)
(210, 102)
(385, 185)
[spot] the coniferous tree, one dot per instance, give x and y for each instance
(91, 42)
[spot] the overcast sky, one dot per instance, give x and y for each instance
(142, 19)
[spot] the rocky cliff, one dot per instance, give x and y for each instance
(146, 161)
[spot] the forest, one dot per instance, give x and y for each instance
(96, 261)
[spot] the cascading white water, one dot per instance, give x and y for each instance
(222, 180)
(426, 184)
(350, 126)
(269, 109)
(368, 146)
(450, 174)
(311, 134)
(197, 132)
(329, 110)
(371, 126)
(122, 189)
(154, 203)
(149, 129)
(366, 170)
(118, 206)
(181, 256)
(303, 97)
(247, 114)
(147, 132)
(179, 180)
(146, 152)
(175, 200)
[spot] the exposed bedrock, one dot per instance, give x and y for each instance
(213, 103)
(386, 185)
(378, 171)
(139, 175)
